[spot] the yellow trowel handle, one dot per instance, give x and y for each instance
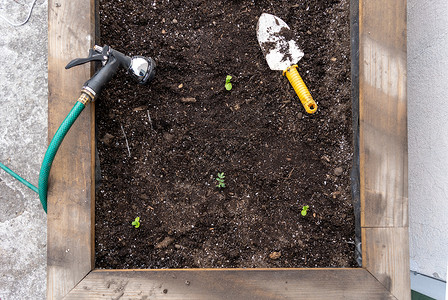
(301, 89)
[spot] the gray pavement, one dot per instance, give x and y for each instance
(23, 140)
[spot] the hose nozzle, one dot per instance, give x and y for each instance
(142, 69)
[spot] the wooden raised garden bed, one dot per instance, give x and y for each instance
(379, 83)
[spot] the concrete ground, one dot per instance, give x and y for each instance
(23, 137)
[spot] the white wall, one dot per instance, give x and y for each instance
(428, 135)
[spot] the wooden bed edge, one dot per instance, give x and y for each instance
(387, 260)
(235, 284)
(70, 227)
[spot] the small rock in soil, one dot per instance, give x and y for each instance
(338, 171)
(168, 137)
(188, 100)
(275, 255)
(234, 253)
(143, 107)
(107, 139)
(335, 194)
(326, 158)
(165, 243)
(144, 197)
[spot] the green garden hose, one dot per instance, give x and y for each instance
(13, 174)
(53, 148)
(51, 152)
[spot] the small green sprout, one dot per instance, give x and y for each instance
(228, 84)
(304, 210)
(220, 180)
(136, 222)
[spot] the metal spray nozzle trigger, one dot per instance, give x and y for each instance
(95, 54)
(142, 69)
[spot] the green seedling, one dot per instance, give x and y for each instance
(228, 84)
(220, 180)
(136, 222)
(304, 210)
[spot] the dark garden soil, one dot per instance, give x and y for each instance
(185, 127)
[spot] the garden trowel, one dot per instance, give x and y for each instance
(282, 53)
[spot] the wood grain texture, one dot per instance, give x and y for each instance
(383, 143)
(234, 284)
(383, 113)
(69, 240)
(386, 256)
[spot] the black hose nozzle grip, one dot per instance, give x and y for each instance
(142, 69)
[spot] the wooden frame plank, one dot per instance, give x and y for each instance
(383, 143)
(383, 113)
(257, 284)
(383, 183)
(70, 242)
(385, 257)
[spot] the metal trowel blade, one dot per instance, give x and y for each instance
(277, 42)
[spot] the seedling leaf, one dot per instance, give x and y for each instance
(304, 210)
(220, 180)
(228, 85)
(136, 222)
